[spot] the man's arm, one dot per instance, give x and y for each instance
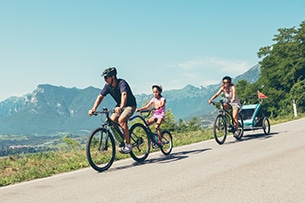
(97, 102)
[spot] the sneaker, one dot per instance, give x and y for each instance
(160, 143)
(127, 149)
(121, 146)
(236, 134)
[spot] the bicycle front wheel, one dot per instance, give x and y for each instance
(140, 142)
(266, 126)
(167, 142)
(100, 149)
(220, 129)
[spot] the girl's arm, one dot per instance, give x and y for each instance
(145, 107)
(162, 104)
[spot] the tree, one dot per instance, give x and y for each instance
(194, 124)
(298, 94)
(282, 66)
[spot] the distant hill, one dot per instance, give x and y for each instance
(52, 110)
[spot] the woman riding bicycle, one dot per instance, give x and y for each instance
(229, 90)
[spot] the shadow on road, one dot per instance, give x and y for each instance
(248, 137)
(164, 159)
(258, 136)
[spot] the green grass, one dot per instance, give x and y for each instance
(25, 167)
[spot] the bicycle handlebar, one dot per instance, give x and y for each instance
(104, 111)
(146, 111)
(221, 102)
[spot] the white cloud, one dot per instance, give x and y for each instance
(207, 71)
(221, 65)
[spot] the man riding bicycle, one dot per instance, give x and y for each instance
(121, 92)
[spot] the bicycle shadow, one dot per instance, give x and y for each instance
(253, 136)
(164, 159)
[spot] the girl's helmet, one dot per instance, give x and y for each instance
(159, 87)
(108, 72)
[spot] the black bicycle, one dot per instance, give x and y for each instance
(101, 143)
(166, 137)
(225, 123)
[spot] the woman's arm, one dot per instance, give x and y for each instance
(216, 95)
(233, 93)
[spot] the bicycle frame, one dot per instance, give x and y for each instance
(227, 113)
(221, 122)
(113, 125)
(166, 145)
(101, 143)
(150, 133)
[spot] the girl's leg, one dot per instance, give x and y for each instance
(150, 121)
(158, 123)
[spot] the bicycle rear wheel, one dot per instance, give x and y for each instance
(100, 149)
(266, 126)
(167, 142)
(240, 127)
(220, 129)
(140, 142)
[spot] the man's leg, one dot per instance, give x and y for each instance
(123, 119)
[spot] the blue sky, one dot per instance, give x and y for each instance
(169, 42)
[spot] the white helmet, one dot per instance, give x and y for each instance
(159, 87)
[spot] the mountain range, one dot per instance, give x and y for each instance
(55, 109)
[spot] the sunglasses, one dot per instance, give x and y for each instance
(106, 77)
(226, 82)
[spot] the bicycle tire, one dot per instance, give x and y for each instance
(266, 126)
(100, 149)
(240, 127)
(167, 142)
(140, 142)
(220, 129)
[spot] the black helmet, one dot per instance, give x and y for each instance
(159, 87)
(227, 78)
(108, 72)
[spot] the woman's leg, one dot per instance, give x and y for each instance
(235, 117)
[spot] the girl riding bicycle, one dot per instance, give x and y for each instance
(159, 114)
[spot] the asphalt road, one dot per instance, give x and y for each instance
(257, 169)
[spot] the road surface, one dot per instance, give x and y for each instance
(257, 169)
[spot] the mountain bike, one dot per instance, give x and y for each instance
(225, 123)
(166, 137)
(101, 143)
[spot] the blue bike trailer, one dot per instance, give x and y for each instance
(252, 116)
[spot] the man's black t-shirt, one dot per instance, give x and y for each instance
(116, 92)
